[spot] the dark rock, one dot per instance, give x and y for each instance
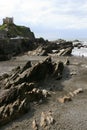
(58, 70)
(8, 84)
(5, 75)
(65, 52)
(44, 53)
(67, 62)
(9, 96)
(24, 106)
(12, 47)
(22, 87)
(15, 73)
(26, 66)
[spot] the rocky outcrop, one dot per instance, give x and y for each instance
(11, 30)
(21, 87)
(14, 40)
(65, 52)
(61, 49)
(14, 46)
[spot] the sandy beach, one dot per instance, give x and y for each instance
(68, 116)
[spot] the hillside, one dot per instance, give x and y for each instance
(16, 30)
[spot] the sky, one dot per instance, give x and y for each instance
(50, 19)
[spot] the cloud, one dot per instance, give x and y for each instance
(44, 15)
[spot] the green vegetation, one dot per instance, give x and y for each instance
(15, 30)
(2, 27)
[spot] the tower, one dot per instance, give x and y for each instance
(8, 20)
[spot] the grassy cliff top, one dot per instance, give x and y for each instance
(15, 30)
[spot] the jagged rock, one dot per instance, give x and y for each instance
(24, 106)
(65, 52)
(16, 69)
(15, 73)
(14, 110)
(36, 73)
(8, 85)
(21, 88)
(60, 48)
(2, 110)
(26, 66)
(9, 96)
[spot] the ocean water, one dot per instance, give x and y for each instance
(80, 52)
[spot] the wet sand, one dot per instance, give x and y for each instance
(68, 116)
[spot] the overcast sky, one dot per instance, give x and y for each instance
(51, 19)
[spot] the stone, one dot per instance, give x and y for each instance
(73, 73)
(64, 99)
(77, 91)
(71, 94)
(34, 125)
(45, 93)
(43, 122)
(50, 119)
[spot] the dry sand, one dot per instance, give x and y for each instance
(68, 116)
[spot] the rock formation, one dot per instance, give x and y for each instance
(21, 87)
(45, 48)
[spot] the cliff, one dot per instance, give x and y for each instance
(16, 30)
(12, 47)
(14, 40)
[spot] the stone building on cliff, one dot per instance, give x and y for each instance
(8, 20)
(3, 32)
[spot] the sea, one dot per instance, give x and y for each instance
(80, 51)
